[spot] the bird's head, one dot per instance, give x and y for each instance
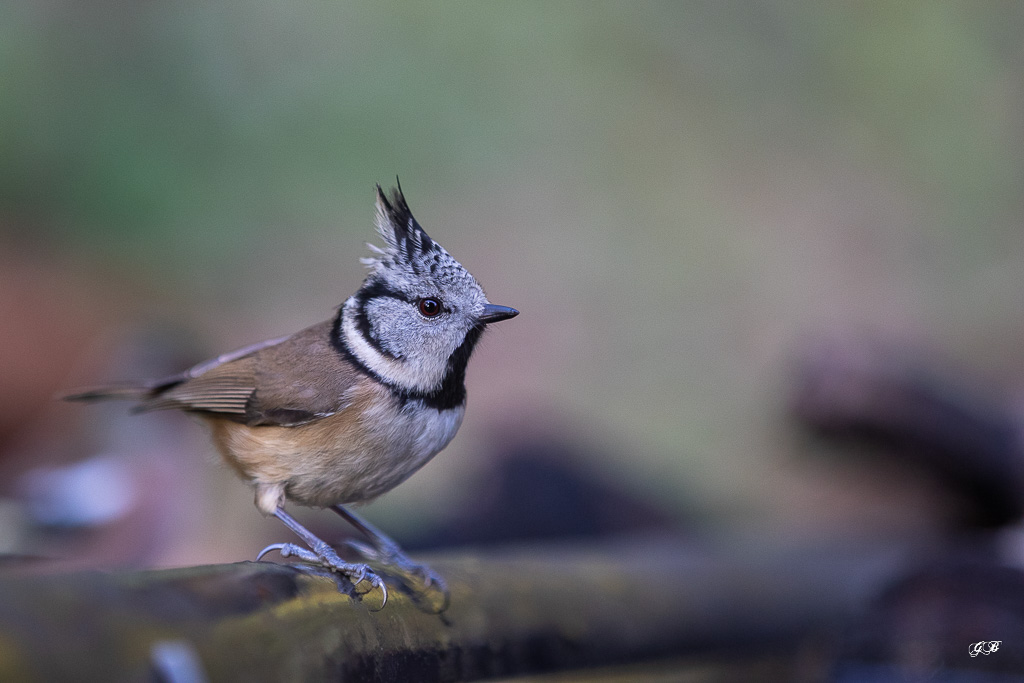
(419, 312)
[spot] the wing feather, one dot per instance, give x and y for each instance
(224, 388)
(285, 382)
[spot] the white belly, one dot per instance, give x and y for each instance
(405, 446)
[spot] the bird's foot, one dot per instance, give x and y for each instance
(392, 557)
(323, 555)
(426, 585)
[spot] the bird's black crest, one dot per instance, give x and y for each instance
(409, 235)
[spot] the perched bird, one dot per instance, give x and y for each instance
(347, 409)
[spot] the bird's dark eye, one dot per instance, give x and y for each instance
(430, 307)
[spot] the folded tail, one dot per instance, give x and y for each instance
(126, 391)
(113, 392)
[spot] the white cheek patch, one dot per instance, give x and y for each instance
(411, 376)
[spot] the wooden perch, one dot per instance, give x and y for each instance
(512, 613)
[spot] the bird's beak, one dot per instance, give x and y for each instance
(493, 313)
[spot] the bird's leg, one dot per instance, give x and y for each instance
(322, 554)
(383, 550)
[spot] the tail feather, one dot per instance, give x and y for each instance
(112, 392)
(147, 394)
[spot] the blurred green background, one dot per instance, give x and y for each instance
(673, 194)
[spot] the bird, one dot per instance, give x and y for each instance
(345, 410)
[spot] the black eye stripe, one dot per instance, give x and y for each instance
(377, 288)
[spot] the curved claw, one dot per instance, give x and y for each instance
(274, 546)
(383, 591)
(289, 550)
(390, 555)
(375, 582)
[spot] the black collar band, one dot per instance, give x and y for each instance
(451, 393)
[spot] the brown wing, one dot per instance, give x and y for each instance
(286, 382)
(224, 388)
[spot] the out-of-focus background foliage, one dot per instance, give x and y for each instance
(673, 194)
